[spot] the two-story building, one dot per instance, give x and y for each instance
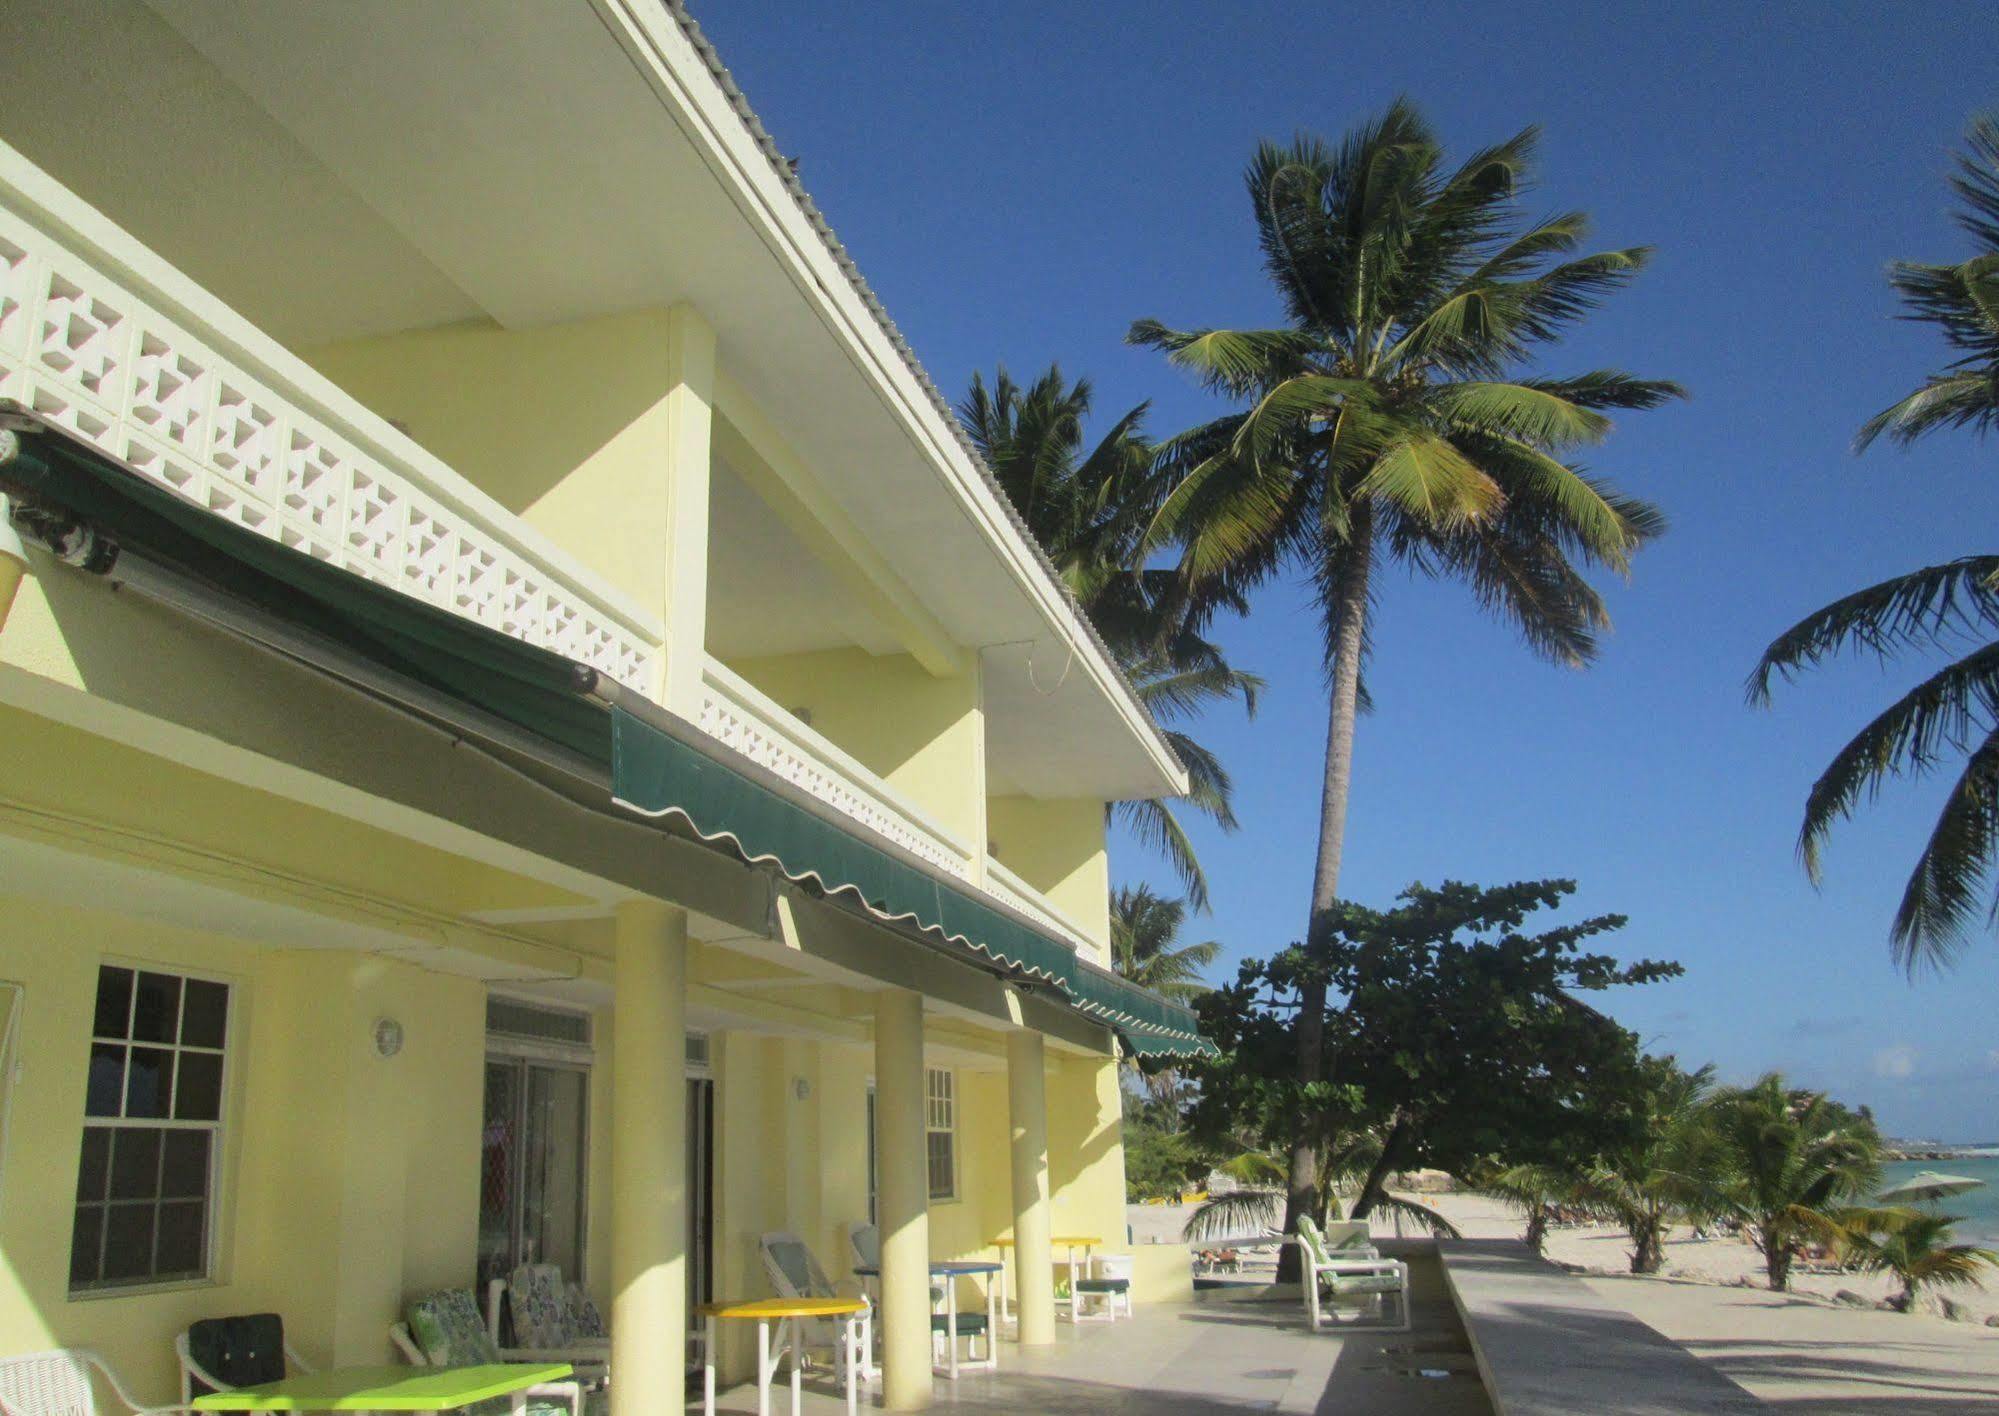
(525, 731)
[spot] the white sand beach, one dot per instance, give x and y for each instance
(1803, 1350)
(1718, 1260)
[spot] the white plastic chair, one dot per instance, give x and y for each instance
(590, 1356)
(57, 1383)
(192, 1371)
(1329, 1280)
(795, 1273)
(865, 1240)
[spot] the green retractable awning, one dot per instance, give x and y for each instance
(544, 696)
(658, 775)
(527, 686)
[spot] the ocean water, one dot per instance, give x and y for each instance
(1979, 1208)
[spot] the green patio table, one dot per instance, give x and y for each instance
(390, 1388)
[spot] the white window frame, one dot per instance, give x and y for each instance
(213, 1198)
(940, 1119)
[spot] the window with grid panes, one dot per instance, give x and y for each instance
(940, 1133)
(145, 1188)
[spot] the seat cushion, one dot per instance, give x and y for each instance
(968, 1323)
(1366, 1283)
(585, 1322)
(447, 1327)
(1103, 1285)
(238, 1352)
(537, 1302)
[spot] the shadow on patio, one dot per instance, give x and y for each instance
(1212, 1357)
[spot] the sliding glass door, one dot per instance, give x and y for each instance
(532, 1184)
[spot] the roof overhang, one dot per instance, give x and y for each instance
(531, 164)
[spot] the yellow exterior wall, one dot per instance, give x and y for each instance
(921, 734)
(346, 1180)
(1086, 1148)
(1058, 847)
(565, 425)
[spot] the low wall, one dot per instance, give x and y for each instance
(1162, 1273)
(1549, 1345)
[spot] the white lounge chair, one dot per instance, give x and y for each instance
(865, 1241)
(553, 1321)
(57, 1383)
(795, 1273)
(444, 1329)
(1331, 1279)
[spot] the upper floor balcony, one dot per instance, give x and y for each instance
(411, 308)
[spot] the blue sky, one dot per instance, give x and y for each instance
(1020, 182)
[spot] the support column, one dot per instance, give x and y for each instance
(902, 1200)
(649, 1161)
(13, 563)
(1027, 1108)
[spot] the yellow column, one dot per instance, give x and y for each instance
(902, 1199)
(690, 401)
(1027, 1108)
(649, 1161)
(13, 563)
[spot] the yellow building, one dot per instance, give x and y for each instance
(525, 733)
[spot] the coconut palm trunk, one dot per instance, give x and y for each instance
(1350, 597)
(1380, 421)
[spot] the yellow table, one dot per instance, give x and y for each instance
(1072, 1243)
(777, 1322)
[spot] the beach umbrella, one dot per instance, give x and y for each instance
(1930, 1185)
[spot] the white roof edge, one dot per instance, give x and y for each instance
(1043, 583)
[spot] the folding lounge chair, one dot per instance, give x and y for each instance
(795, 1273)
(1330, 1280)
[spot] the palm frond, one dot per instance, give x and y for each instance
(1153, 824)
(1946, 713)
(1919, 610)
(1537, 416)
(1954, 870)
(1240, 1214)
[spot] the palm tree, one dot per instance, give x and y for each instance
(1914, 1246)
(1536, 1191)
(1380, 425)
(1345, 1162)
(1667, 1175)
(1954, 713)
(1088, 507)
(1792, 1159)
(1146, 947)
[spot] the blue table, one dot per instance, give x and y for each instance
(951, 1271)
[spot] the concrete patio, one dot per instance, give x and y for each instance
(1216, 1355)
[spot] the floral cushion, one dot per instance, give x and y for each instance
(447, 1328)
(585, 1322)
(595, 1403)
(538, 1303)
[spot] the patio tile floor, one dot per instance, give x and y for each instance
(1212, 1357)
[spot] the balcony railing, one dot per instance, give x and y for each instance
(161, 375)
(100, 335)
(744, 719)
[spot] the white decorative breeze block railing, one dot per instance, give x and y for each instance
(84, 351)
(1004, 885)
(743, 719)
